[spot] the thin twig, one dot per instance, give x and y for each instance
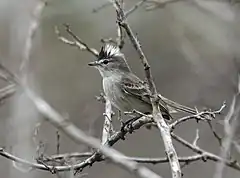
(134, 126)
(196, 138)
(219, 139)
(155, 4)
(102, 6)
(120, 36)
(207, 155)
(58, 142)
(187, 159)
(199, 116)
(75, 37)
(77, 42)
(70, 155)
(135, 7)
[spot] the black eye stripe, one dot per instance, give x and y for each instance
(105, 61)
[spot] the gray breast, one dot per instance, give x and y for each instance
(121, 100)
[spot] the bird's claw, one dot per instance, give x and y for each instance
(128, 125)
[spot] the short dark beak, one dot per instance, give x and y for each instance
(94, 63)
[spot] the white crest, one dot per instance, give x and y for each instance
(110, 50)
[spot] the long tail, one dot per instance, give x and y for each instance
(176, 106)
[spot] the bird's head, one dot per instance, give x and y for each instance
(110, 61)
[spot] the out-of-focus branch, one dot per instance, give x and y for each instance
(31, 32)
(230, 125)
(120, 36)
(102, 6)
(155, 4)
(6, 75)
(77, 42)
(157, 116)
(150, 5)
(237, 146)
(7, 92)
(135, 7)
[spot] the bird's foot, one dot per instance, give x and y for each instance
(128, 124)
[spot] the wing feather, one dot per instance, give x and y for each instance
(135, 87)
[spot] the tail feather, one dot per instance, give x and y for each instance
(176, 106)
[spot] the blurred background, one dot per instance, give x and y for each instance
(192, 47)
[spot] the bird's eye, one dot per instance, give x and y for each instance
(105, 61)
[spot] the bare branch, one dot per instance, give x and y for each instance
(219, 139)
(207, 155)
(120, 36)
(202, 154)
(43, 166)
(187, 159)
(107, 126)
(77, 42)
(21, 161)
(134, 126)
(199, 116)
(157, 116)
(69, 155)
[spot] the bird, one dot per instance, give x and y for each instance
(125, 90)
